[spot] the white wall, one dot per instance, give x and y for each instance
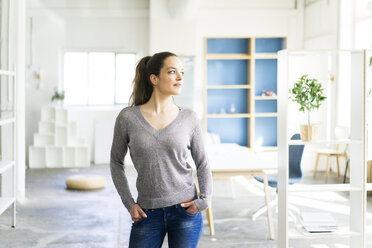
(363, 24)
(121, 25)
(142, 26)
(336, 24)
(86, 118)
(222, 19)
(321, 24)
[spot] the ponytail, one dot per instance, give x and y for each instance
(142, 87)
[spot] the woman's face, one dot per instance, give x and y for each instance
(170, 79)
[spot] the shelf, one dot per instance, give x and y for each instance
(61, 124)
(76, 142)
(61, 136)
(81, 144)
(7, 73)
(237, 71)
(322, 187)
(341, 141)
(5, 165)
(5, 202)
(55, 123)
(228, 115)
(82, 157)
(43, 139)
(355, 120)
(265, 114)
(48, 114)
(9, 99)
(37, 156)
(267, 148)
(228, 56)
(46, 128)
(266, 97)
(234, 45)
(6, 121)
(266, 56)
(72, 129)
(69, 157)
(228, 71)
(369, 186)
(48, 134)
(235, 86)
(269, 44)
(299, 232)
(54, 157)
(61, 116)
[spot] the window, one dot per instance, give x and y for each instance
(96, 78)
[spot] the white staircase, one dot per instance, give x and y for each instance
(57, 144)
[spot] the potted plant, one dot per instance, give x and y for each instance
(59, 97)
(308, 93)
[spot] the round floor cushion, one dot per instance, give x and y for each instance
(85, 182)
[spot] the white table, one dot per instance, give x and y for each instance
(228, 160)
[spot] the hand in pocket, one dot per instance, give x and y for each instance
(136, 212)
(191, 207)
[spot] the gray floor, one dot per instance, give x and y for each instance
(54, 217)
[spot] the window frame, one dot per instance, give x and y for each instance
(93, 50)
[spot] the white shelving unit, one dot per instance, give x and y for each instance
(8, 120)
(12, 63)
(350, 67)
(57, 143)
(8, 143)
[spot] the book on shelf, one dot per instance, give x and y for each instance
(318, 222)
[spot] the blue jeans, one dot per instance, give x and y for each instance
(184, 229)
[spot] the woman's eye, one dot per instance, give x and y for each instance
(172, 72)
(183, 73)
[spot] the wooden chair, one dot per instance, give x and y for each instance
(339, 151)
(208, 210)
(210, 220)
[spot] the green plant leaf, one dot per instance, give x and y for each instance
(308, 93)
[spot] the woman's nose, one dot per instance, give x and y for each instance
(179, 76)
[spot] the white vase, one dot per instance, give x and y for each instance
(58, 103)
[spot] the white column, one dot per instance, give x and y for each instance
(20, 9)
(357, 151)
(282, 149)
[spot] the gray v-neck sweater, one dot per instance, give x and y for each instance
(159, 156)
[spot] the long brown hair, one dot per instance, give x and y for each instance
(142, 87)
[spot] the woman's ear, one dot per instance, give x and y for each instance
(153, 79)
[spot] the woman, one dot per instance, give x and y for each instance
(160, 136)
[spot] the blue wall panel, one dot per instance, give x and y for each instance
(223, 98)
(231, 130)
(266, 129)
(227, 72)
(227, 46)
(266, 76)
(265, 106)
(269, 45)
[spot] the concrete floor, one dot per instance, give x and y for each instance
(54, 217)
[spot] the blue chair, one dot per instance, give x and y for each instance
(295, 171)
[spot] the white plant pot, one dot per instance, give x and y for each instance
(58, 103)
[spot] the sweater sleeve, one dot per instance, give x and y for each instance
(204, 174)
(119, 149)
